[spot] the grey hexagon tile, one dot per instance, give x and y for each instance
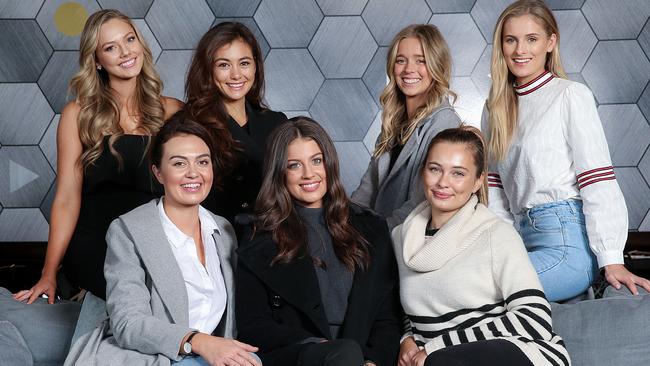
(387, 17)
(19, 8)
(463, 38)
(179, 24)
(151, 40)
(577, 77)
(644, 165)
(621, 19)
(356, 160)
(485, 13)
(644, 39)
(48, 142)
(233, 8)
(337, 7)
(456, 6)
(344, 108)
(56, 75)
(342, 47)
(644, 102)
(250, 23)
(286, 25)
(28, 176)
(375, 76)
(29, 53)
(373, 133)
(132, 8)
(627, 132)
(292, 79)
(46, 205)
(62, 21)
(22, 224)
(616, 79)
(564, 4)
(469, 104)
(481, 73)
(645, 224)
(636, 193)
(291, 114)
(577, 39)
(172, 67)
(24, 112)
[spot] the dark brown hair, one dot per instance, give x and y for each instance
(473, 139)
(275, 210)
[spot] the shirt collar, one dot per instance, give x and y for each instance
(534, 84)
(178, 238)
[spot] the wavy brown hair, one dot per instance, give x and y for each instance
(275, 208)
(205, 101)
(100, 110)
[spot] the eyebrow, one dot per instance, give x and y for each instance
(525, 35)
(401, 55)
(453, 167)
(226, 59)
(185, 158)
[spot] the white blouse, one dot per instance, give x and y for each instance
(559, 152)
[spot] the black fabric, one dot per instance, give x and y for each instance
(279, 306)
(238, 189)
(109, 190)
(394, 154)
(491, 352)
(339, 352)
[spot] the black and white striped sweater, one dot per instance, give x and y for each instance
(472, 281)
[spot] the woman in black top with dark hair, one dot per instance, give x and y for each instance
(316, 280)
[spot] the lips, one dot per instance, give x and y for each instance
(235, 85)
(411, 80)
(521, 61)
(441, 195)
(191, 187)
(128, 64)
(310, 187)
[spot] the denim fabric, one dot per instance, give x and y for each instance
(555, 237)
(199, 361)
(93, 312)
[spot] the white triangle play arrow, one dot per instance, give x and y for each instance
(19, 176)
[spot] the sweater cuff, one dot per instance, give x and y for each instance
(609, 257)
(434, 345)
(406, 335)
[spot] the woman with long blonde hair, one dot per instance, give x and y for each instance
(101, 142)
(550, 166)
(415, 107)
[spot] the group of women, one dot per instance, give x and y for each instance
(319, 278)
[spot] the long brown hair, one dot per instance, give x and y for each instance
(205, 101)
(275, 208)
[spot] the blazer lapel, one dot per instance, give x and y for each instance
(225, 253)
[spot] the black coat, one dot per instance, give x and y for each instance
(280, 306)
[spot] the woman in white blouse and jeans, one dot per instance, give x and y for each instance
(550, 167)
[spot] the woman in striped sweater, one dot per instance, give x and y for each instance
(469, 290)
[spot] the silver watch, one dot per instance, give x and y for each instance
(187, 345)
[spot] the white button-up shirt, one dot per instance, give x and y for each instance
(206, 290)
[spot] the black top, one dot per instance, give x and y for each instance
(108, 191)
(239, 188)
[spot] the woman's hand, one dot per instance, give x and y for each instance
(419, 358)
(218, 351)
(617, 274)
(46, 285)
(407, 350)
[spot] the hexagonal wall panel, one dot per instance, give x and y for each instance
(636, 193)
(469, 104)
(621, 19)
(375, 76)
(463, 38)
(481, 73)
(233, 8)
(344, 108)
(287, 25)
(24, 112)
(179, 24)
(577, 39)
(644, 166)
(387, 17)
(337, 7)
(54, 79)
(172, 67)
(373, 133)
(564, 4)
(62, 21)
(132, 8)
(19, 8)
(616, 79)
(28, 176)
(48, 142)
(46, 205)
(29, 50)
(644, 103)
(645, 224)
(250, 23)
(22, 224)
(627, 132)
(356, 160)
(292, 79)
(291, 114)
(485, 13)
(644, 39)
(456, 6)
(151, 40)
(342, 47)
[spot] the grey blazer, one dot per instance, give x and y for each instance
(146, 296)
(395, 193)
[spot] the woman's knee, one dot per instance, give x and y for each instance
(344, 352)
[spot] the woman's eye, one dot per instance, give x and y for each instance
(245, 63)
(222, 65)
(434, 169)
(400, 61)
(131, 39)
(509, 40)
(459, 174)
(204, 162)
(318, 161)
(178, 163)
(293, 166)
(421, 61)
(532, 39)
(109, 48)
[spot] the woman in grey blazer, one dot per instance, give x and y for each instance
(169, 269)
(415, 108)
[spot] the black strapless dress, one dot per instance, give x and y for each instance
(109, 190)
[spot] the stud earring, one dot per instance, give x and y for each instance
(99, 67)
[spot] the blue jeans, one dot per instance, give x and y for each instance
(555, 237)
(191, 361)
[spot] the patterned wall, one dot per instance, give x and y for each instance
(324, 58)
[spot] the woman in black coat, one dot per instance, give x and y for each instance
(316, 281)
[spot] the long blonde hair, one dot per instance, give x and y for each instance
(396, 126)
(100, 110)
(502, 100)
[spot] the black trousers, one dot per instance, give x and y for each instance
(338, 352)
(480, 353)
